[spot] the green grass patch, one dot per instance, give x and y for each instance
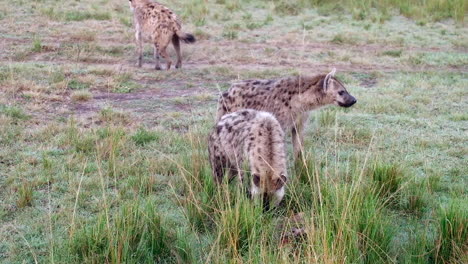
(85, 15)
(452, 245)
(13, 112)
(75, 84)
(136, 234)
(392, 53)
(143, 136)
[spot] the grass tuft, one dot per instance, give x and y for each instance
(13, 111)
(136, 234)
(387, 178)
(143, 137)
(81, 96)
(25, 194)
(36, 45)
(75, 84)
(393, 53)
(452, 244)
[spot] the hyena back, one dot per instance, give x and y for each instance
(159, 25)
(257, 138)
(288, 99)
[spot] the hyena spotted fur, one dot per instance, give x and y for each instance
(257, 138)
(159, 25)
(288, 99)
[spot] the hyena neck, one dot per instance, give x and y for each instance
(310, 93)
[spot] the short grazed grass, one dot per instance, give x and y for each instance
(103, 162)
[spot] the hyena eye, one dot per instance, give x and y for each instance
(341, 92)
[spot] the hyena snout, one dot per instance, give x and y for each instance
(347, 100)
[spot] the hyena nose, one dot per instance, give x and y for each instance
(351, 102)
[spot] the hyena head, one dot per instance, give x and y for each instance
(271, 189)
(335, 92)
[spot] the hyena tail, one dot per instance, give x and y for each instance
(185, 37)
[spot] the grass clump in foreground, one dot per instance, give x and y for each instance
(452, 243)
(136, 234)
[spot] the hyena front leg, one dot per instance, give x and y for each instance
(236, 172)
(139, 42)
(156, 57)
(218, 164)
(297, 136)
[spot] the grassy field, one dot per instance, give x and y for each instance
(104, 162)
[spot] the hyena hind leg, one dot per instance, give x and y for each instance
(176, 43)
(139, 43)
(157, 65)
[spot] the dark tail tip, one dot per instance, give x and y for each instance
(189, 38)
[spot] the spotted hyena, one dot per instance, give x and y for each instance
(257, 138)
(288, 99)
(159, 25)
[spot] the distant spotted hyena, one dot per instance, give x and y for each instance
(159, 25)
(255, 137)
(288, 99)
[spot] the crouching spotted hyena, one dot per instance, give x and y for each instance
(288, 99)
(159, 25)
(257, 138)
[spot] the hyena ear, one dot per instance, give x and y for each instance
(280, 181)
(328, 78)
(256, 179)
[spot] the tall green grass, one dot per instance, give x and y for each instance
(344, 221)
(136, 234)
(347, 206)
(452, 243)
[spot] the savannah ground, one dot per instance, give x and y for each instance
(104, 162)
